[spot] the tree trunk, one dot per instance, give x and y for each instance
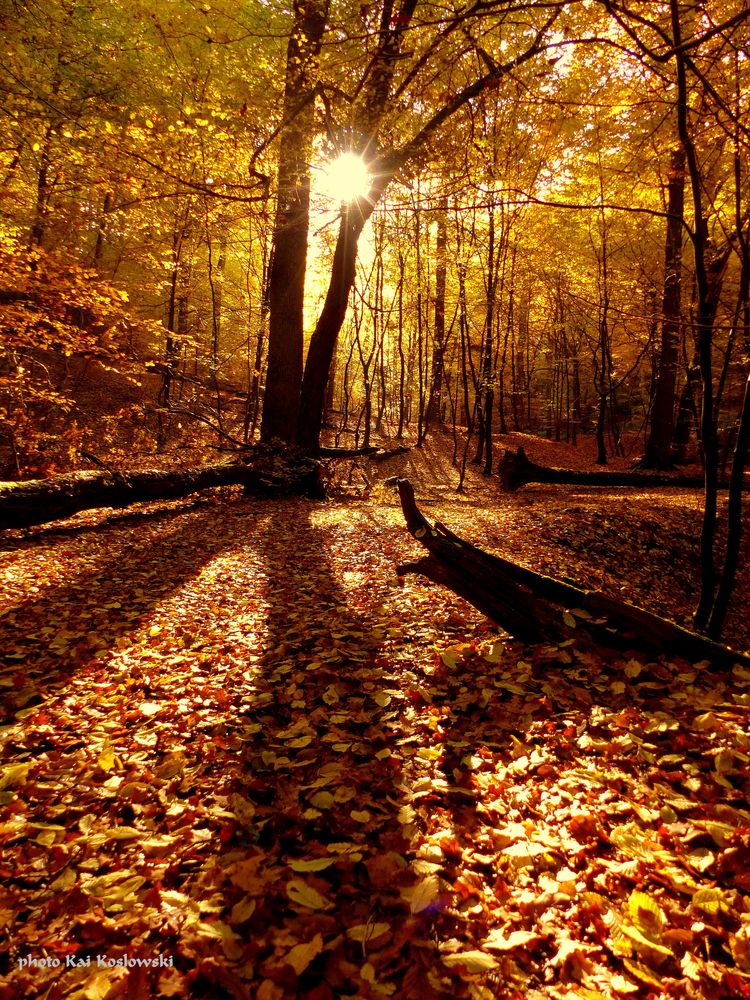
(658, 452)
(325, 335)
(435, 404)
(287, 278)
(533, 607)
(37, 501)
(516, 469)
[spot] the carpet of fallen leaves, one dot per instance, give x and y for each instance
(241, 759)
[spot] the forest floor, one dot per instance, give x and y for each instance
(242, 759)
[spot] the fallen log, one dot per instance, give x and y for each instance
(268, 472)
(516, 469)
(373, 452)
(537, 608)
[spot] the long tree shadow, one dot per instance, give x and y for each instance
(91, 592)
(316, 871)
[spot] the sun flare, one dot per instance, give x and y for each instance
(346, 178)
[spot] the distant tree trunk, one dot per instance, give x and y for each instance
(507, 343)
(400, 345)
(216, 285)
(101, 232)
(435, 406)
(734, 520)
(603, 354)
(741, 322)
(658, 452)
(176, 309)
(486, 388)
(41, 206)
(287, 278)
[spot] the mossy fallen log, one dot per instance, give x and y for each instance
(266, 472)
(537, 608)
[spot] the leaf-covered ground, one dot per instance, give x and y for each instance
(242, 759)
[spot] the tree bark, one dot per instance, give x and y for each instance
(516, 469)
(532, 607)
(287, 277)
(325, 335)
(658, 451)
(439, 344)
(37, 501)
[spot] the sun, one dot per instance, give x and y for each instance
(346, 178)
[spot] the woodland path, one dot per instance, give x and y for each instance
(236, 740)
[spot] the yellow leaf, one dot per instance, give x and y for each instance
(301, 893)
(473, 961)
(172, 765)
(322, 800)
(242, 808)
(114, 887)
(157, 845)
(154, 631)
(622, 985)
(633, 668)
(65, 880)
(99, 985)
(302, 954)
(231, 942)
(149, 708)
(46, 838)
(710, 900)
(243, 910)
(360, 815)
(423, 894)
(314, 865)
(108, 760)
(13, 775)
(724, 762)
(367, 932)
(497, 940)
(700, 858)
(643, 943)
(300, 742)
(122, 833)
(643, 973)
(645, 912)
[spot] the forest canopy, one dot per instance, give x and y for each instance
(552, 236)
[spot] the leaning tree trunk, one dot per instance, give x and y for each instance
(323, 341)
(537, 608)
(267, 473)
(516, 469)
